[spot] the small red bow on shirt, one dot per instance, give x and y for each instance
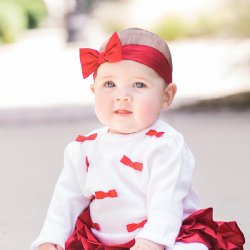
(154, 133)
(96, 226)
(87, 163)
(81, 138)
(91, 59)
(132, 227)
(101, 195)
(136, 165)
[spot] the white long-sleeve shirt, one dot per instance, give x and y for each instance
(148, 175)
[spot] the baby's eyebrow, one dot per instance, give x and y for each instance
(140, 78)
(107, 77)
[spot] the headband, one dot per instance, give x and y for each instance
(114, 52)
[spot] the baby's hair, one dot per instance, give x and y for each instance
(143, 37)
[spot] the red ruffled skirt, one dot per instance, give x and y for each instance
(199, 227)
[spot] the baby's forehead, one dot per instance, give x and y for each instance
(125, 68)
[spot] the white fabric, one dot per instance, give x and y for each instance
(161, 192)
(189, 246)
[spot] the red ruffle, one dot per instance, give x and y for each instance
(198, 227)
(83, 239)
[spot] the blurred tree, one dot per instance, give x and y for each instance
(231, 19)
(171, 28)
(35, 11)
(18, 15)
(12, 21)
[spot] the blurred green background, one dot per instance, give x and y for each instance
(231, 19)
(19, 15)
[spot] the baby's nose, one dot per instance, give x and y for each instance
(123, 96)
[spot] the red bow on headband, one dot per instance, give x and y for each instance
(91, 59)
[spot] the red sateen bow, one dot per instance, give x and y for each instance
(81, 138)
(96, 226)
(132, 227)
(87, 163)
(136, 165)
(154, 133)
(91, 59)
(91, 198)
(101, 195)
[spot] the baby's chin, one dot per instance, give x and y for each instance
(122, 132)
(126, 131)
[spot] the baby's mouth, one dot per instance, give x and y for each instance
(122, 112)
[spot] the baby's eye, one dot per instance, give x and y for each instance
(140, 85)
(109, 84)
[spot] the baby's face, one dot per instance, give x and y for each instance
(128, 96)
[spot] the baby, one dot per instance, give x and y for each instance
(129, 184)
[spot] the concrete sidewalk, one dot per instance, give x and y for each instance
(32, 157)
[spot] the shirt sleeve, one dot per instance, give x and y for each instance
(171, 167)
(67, 201)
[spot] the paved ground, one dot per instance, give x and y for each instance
(32, 152)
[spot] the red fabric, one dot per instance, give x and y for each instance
(81, 138)
(87, 163)
(114, 52)
(91, 59)
(149, 56)
(153, 132)
(135, 165)
(198, 227)
(83, 239)
(134, 226)
(96, 226)
(101, 195)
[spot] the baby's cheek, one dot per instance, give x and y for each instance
(150, 110)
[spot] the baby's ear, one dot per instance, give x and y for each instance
(169, 94)
(92, 88)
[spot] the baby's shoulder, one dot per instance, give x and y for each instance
(169, 142)
(163, 139)
(165, 132)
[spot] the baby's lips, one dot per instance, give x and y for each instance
(122, 112)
